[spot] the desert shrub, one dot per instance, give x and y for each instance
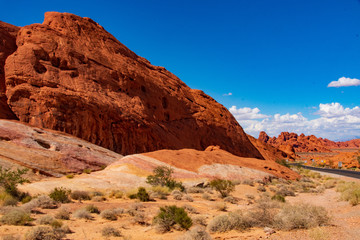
(87, 170)
(8, 200)
(177, 196)
(80, 195)
(285, 191)
(99, 199)
(220, 206)
(278, 197)
(199, 220)
(230, 199)
(261, 188)
(63, 213)
(263, 212)
(301, 216)
(26, 199)
(41, 201)
(109, 214)
(139, 218)
(9, 180)
(206, 196)
(197, 233)
(16, 216)
(142, 195)
(168, 216)
(250, 196)
(188, 198)
(92, 209)
(116, 194)
(60, 195)
(195, 190)
(248, 182)
(70, 176)
(224, 187)
(162, 177)
(231, 221)
(331, 183)
(350, 192)
(109, 231)
(159, 192)
(56, 224)
(44, 233)
(46, 220)
(176, 192)
(82, 214)
(190, 209)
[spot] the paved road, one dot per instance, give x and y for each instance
(347, 173)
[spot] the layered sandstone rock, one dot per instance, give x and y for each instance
(7, 46)
(48, 152)
(69, 74)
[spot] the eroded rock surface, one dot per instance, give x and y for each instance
(49, 152)
(71, 75)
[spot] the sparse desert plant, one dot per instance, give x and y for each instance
(220, 206)
(330, 183)
(249, 182)
(26, 199)
(9, 180)
(232, 221)
(177, 196)
(195, 190)
(301, 216)
(162, 177)
(139, 218)
(109, 231)
(116, 194)
(159, 192)
(99, 199)
(168, 216)
(63, 213)
(109, 214)
(70, 176)
(56, 224)
(224, 187)
(92, 209)
(46, 220)
(190, 209)
(60, 195)
(87, 170)
(199, 220)
(230, 199)
(16, 216)
(250, 196)
(196, 233)
(44, 233)
(350, 192)
(189, 198)
(142, 195)
(278, 197)
(82, 214)
(261, 188)
(42, 201)
(7, 200)
(284, 191)
(264, 211)
(80, 195)
(206, 196)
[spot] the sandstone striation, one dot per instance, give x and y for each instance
(71, 75)
(48, 152)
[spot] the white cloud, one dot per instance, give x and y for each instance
(333, 122)
(246, 113)
(345, 82)
(227, 94)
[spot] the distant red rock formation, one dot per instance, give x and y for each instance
(302, 143)
(71, 75)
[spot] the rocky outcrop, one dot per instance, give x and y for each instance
(71, 75)
(7, 46)
(272, 153)
(48, 152)
(289, 142)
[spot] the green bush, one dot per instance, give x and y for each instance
(92, 209)
(10, 179)
(162, 177)
(278, 197)
(224, 187)
(142, 195)
(16, 216)
(168, 216)
(60, 195)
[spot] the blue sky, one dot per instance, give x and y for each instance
(276, 58)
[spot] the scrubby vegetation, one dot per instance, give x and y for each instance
(60, 195)
(16, 216)
(162, 177)
(9, 180)
(350, 192)
(168, 216)
(224, 187)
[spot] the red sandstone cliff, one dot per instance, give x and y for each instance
(69, 74)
